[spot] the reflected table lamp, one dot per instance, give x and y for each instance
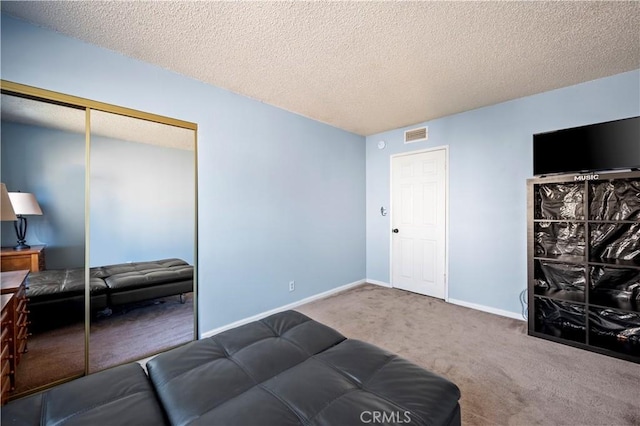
(23, 204)
(7, 213)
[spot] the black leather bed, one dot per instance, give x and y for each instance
(111, 285)
(286, 369)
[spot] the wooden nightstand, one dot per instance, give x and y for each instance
(15, 260)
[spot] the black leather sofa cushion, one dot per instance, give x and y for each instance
(56, 283)
(120, 268)
(289, 370)
(149, 277)
(118, 396)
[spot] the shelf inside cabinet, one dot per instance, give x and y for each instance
(561, 319)
(614, 287)
(614, 242)
(557, 239)
(615, 200)
(629, 306)
(616, 263)
(559, 280)
(615, 330)
(563, 258)
(559, 201)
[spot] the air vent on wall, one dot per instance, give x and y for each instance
(416, 135)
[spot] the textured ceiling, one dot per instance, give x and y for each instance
(363, 66)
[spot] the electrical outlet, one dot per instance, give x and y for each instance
(292, 285)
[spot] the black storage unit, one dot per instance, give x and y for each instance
(583, 243)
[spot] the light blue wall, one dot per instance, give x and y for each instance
(490, 158)
(281, 197)
(142, 199)
(49, 164)
(142, 202)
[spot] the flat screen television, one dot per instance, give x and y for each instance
(611, 145)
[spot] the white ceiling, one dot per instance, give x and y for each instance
(363, 66)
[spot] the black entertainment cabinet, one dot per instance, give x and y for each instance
(583, 244)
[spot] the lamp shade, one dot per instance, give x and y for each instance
(5, 204)
(24, 203)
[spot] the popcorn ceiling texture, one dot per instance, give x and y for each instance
(365, 67)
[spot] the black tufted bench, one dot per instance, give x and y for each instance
(112, 285)
(290, 370)
(286, 369)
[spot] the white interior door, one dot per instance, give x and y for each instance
(418, 221)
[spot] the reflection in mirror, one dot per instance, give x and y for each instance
(142, 237)
(43, 153)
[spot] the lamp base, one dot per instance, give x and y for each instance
(21, 246)
(21, 232)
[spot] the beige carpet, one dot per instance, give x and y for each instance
(505, 376)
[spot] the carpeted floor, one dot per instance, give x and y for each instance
(505, 376)
(129, 334)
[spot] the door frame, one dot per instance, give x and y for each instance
(446, 212)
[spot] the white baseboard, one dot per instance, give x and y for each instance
(488, 309)
(281, 308)
(380, 283)
(327, 293)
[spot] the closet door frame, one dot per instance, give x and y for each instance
(38, 94)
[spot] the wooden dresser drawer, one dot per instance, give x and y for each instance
(32, 259)
(22, 293)
(6, 367)
(6, 355)
(21, 306)
(15, 263)
(15, 319)
(6, 333)
(6, 388)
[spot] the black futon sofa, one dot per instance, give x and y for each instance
(286, 369)
(110, 285)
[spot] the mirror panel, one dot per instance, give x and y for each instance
(145, 211)
(43, 153)
(141, 237)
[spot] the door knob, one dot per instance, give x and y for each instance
(395, 230)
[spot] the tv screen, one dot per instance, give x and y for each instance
(597, 147)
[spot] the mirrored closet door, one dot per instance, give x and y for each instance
(142, 236)
(43, 151)
(115, 241)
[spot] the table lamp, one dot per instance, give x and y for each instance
(23, 204)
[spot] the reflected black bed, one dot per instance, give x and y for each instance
(110, 285)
